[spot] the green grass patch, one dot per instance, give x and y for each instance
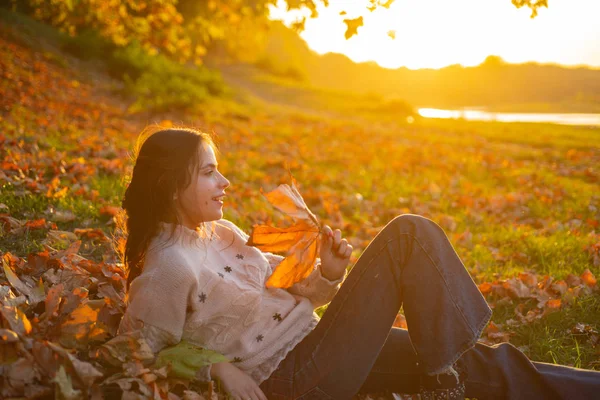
(551, 339)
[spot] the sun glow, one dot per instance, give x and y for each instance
(437, 33)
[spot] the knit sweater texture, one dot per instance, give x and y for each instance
(210, 290)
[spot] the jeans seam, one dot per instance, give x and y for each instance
(443, 279)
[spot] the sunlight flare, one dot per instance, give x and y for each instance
(437, 33)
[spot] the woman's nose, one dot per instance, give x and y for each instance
(225, 182)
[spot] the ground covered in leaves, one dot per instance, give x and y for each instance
(520, 202)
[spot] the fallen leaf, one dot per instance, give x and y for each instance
(516, 288)
(554, 303)
(63, 216)
(13, 279)
(110, 211)
(8, 336)
(65, 386)
(21, 374)
(485, 288)
(36, 224)
(559, 287)
(588, 278)
(528, 279)
(17, 320)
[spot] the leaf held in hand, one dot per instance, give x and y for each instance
(299, 242)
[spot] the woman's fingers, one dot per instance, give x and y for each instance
(344, 249)
(337, 238)
(333, 241)
(348, 252)
(251, 394)
(327, 237)
(260, 395)
(341, 247)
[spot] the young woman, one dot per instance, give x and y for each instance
(192, 276)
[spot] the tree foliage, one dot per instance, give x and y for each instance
(532, 4)
(156, 24)
(183, 29)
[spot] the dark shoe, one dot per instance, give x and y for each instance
(444, 386)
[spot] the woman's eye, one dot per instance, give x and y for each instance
(209, 172)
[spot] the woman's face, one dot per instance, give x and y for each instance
(202, 200)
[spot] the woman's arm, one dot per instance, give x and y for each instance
(157, 308)
(236, 382)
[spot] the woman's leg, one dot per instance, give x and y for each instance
(494, 372)
(503, 372)
(395, 369)
(410, 262)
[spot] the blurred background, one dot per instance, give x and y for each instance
(433, 58)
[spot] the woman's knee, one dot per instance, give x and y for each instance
(412, 220)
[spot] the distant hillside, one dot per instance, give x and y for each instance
(493, 84)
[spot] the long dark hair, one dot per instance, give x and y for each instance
(164, 162)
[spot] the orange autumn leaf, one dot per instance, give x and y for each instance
(36, 224)
(17, 320)
(485, 288)
(528, 279)
(110, 211)
(91, 233)
(299, 242)
(553, 303)
(588, 278)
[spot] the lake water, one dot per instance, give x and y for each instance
(479, 115)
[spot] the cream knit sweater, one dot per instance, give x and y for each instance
(211, 292)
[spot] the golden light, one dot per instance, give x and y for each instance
(437, 33)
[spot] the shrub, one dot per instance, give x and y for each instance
(159, 83)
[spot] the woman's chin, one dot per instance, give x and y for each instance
(215, 217)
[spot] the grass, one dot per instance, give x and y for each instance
(551, 340)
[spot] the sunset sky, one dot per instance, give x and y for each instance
(437, 33)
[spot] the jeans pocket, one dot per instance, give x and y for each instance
(315, 394)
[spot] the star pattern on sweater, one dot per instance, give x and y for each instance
(239, 257)
(259, 338)
(227, 268)
(202, 297)
(277, 317)
(221, 275)
(237, 359)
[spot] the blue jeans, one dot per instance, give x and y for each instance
(354, 348)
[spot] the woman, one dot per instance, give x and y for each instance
(192, 276)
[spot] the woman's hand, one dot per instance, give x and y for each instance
(335, 254)
(236, 382)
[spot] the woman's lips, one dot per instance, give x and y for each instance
(219, 199)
